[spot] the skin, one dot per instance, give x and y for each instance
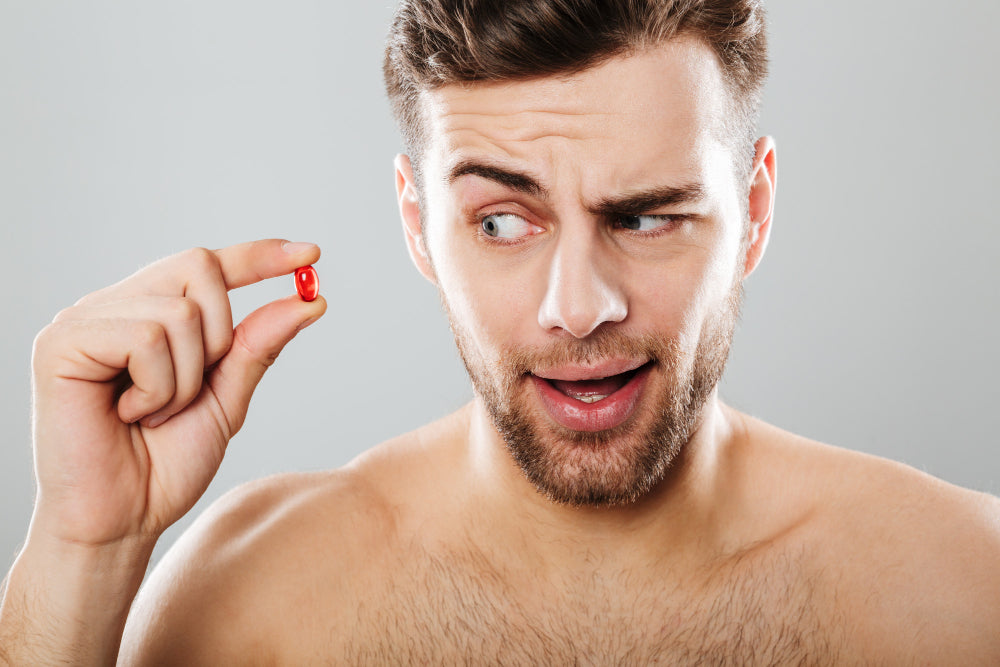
(757, 547)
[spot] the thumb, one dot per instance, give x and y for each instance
(257, 341)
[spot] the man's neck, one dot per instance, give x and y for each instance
(678, 518)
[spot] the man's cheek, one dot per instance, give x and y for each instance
(665, 304)
(494, 294)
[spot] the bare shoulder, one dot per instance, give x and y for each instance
(914, 560)
(265, 564)
(929, 564)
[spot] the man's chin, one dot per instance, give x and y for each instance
(616, 466)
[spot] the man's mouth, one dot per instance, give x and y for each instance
(595, 398)
(592, 391)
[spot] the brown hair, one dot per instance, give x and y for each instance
(433, 43)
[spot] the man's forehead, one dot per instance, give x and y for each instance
(662, 100)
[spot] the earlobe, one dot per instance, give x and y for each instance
(763, 186)
(409, 212)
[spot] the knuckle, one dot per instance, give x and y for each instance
(201, 260)
(87, 299)
(44, 341)
(150, 335)
(49, 343)
(98, 296)
(66, 314)
(183, 310)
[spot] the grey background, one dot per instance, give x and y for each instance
(132, 130)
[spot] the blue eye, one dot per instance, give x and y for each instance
(645, 223)
(506, 226)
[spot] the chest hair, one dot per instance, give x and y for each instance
(448, 609)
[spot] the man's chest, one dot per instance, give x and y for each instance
(448, 612)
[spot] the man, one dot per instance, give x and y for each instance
(583, 188)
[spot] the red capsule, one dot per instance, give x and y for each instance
(307, 283)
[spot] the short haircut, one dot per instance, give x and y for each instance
(433, 43)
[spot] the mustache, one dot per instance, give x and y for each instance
(600, 345)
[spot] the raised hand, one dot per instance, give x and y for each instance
(139, 387)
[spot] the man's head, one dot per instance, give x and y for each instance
(588, 214)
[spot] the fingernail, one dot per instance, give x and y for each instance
(156, 421)
(296, 248)
(306, 323)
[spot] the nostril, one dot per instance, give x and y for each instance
(581, 319)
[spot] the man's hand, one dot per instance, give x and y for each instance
(138, 388)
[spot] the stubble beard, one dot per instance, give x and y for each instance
(617, 466)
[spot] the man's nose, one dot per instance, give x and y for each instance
(583, 290)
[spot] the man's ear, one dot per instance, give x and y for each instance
(409, 211)
(763, 186)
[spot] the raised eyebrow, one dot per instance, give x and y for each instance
(644, 201)
(515, 180)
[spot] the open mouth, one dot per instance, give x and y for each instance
(596, 389)
(592, 403)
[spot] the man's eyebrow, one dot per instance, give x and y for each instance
(514, 180)
(632, 203)
(650, 199)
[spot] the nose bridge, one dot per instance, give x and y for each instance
(583, 290)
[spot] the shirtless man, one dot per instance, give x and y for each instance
(585, 192)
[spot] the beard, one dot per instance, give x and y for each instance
(617, 466)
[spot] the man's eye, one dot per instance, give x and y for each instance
(506, 226)
(645, 223)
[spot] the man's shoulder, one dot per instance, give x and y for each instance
(913, 559)
(927, 555)
(863, 488)
(261, 562)
(928, 566)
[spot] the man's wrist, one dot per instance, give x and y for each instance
(66, 601)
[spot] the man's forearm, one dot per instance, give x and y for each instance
(67, 604)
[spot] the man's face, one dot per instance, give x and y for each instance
(586, 236)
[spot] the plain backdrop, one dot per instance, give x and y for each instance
(132, 130)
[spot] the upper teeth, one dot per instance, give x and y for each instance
(591, 399)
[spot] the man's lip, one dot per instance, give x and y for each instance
(604, 369)
(607, 413)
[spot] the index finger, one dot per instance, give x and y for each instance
(248, 263)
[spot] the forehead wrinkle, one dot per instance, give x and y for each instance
(547, 112)
(531, 170)
(527, 125)
(546, 165)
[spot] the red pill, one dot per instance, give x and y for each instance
(307, 283)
